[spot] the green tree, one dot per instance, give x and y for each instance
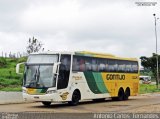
(151, 64)
(33, 45)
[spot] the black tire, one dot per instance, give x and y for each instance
(115, 98)
(75, 98)
(120, 95)
(126, 94)
(46, 103)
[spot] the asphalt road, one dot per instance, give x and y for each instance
(107, 109)
(134, 103)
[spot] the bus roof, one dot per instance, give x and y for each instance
(88, 53)
(102, 55)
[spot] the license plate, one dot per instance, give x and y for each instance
(36, 97)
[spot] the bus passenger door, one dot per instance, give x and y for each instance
(64, 71)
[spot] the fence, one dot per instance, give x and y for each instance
(13, 55)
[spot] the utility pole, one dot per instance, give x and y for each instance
(156, 47)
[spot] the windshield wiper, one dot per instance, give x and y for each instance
(37, 75)
(34, 81)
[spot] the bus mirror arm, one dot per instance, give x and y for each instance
(18, 67)
(55, 67)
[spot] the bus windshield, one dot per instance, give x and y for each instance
(39, 71)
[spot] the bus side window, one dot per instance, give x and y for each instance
(75, 66)
(94, 65)
(88, 64)
(132, 67)
(116, 66)
(82, 64)
(128, 67)
(102, 65)
(111, 64)
(121, 66)
(78, 63)
(135, 67)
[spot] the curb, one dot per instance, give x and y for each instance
(8, 103)
(11, 97)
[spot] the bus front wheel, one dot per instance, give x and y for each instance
(46, 103)
(75, 98)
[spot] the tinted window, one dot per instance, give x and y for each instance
(88, 64)
(121, 66)
(78, 63)
(134, 66)
(128, 66)
(94, 65)
(111, 65)
(82, 63)
(102, 65)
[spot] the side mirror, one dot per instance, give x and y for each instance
(55, 67)
(18, 68)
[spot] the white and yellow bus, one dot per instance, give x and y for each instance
(82, 75)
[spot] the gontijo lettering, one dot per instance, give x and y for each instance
(115, 77)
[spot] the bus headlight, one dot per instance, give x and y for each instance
(51, 91)
(24, 91)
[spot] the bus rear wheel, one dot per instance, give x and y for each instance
(75, 98)
(120, 96)
(127, 94)
(46, 103)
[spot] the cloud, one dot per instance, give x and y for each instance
(13, 42)
(121, 28)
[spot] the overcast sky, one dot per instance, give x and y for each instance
(121, 27)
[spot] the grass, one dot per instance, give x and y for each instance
(9, 80)
(148, 88)
(8, 89)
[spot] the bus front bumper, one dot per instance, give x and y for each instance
(40, 98)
